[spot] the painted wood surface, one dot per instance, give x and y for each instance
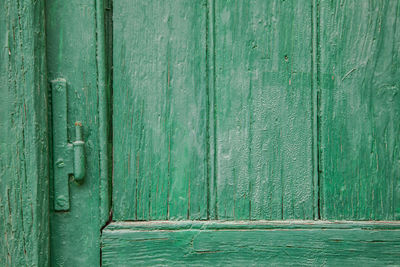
(360, 109)
(72, 51)
(212, 110)
(24, 200)
(159, 112)
(251, 243)
(263, 110)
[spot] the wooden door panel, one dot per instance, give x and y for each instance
(263, 110)
(360, 110)
(159, 117)
(254, 110)
(212, 110)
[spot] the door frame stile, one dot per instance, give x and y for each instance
(24, 188)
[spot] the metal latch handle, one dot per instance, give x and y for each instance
(79, 153)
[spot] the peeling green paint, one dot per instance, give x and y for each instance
(24, 198)
(258, 243)
(360, 110)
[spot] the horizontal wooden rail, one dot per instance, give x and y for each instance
(200, 243)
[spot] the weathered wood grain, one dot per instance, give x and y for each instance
(71, 53)
(212, 110)
(360, 109)
(263, 109)
(159, 113)
(255, 244)
(24, 217)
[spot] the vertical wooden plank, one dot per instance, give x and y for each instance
(160, 110)
(24, 223)
(360, 109)
(71, 54)
(264, 109)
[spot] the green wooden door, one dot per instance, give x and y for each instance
(231, 119)
(244, 132)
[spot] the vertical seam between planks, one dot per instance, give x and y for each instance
(212, 212)
(109, 104)
(315, 110)
(318, 112)
(207, 116)
(214, 112)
